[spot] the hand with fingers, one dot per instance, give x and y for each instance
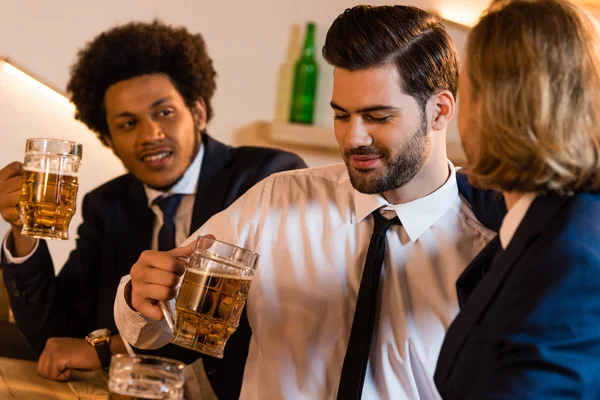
(63, 355)
(154, 277)
(11, 180)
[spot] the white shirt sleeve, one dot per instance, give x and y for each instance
(136, 329)
(236, 225)
(9, 258)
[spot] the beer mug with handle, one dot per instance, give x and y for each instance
(211, 297)
(49, 190)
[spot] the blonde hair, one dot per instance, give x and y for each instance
(534, 71)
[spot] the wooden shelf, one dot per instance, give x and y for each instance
(323, 138)
(301, 134)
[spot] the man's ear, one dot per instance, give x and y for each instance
(199, 114)
(443, 109)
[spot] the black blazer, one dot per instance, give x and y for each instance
(529, 324)
(117, 227)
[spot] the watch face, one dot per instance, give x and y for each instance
(98, 334)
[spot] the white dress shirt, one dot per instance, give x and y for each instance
(312, 229)
(186, 186)
(513, 218)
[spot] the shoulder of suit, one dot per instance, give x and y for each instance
(261, 152)
(114, 186)
(578, 220)
(568, 243)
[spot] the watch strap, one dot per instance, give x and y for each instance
(103, 350)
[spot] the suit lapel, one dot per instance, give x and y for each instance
(473, 274)
(215, 178)
(539, 215)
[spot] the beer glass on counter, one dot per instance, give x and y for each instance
(145, 377)
(211, 297)
(49, 190)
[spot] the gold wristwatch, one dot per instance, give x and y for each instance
(100, 339)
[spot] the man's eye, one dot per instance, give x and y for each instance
(127, 125)
(380, 120)
(166, 112)
(341, 117)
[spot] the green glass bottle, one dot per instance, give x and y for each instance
(306, 73)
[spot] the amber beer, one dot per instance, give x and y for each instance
(208, 309)
(211, 296)
(49, 189)
(47, 203)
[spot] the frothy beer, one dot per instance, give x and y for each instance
(208, 309)
(47, 203)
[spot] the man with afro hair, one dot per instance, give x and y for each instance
(145, 89)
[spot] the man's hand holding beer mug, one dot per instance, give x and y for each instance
(37, 197)
(11, 180)
(211, 296)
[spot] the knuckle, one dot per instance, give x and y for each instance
(11, 169)
(173, 280)
(145, 256)
(164, 292)
(135, 273)
(136, 292)
(52, 344)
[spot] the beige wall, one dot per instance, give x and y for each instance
(251, 42)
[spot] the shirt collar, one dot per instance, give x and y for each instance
(513, 218)
(418, 215)
(186, 185)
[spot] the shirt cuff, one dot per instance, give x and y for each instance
(9, 258)
(135, 328)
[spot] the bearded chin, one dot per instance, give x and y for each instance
(398, 168)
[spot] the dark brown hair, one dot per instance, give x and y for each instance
(414, 40)
(136, 49)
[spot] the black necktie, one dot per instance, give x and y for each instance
(166, 236)
(359, 345)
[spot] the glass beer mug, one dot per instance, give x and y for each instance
(211, 297)
(49, 190)
(145, 377)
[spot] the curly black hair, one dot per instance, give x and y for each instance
(136, 49)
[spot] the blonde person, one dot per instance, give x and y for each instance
(530, 124)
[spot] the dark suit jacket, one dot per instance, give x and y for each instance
(529, 325)
(117, 227)
(487, 205)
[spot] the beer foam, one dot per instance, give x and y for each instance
(213, 274)
(48, 171)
